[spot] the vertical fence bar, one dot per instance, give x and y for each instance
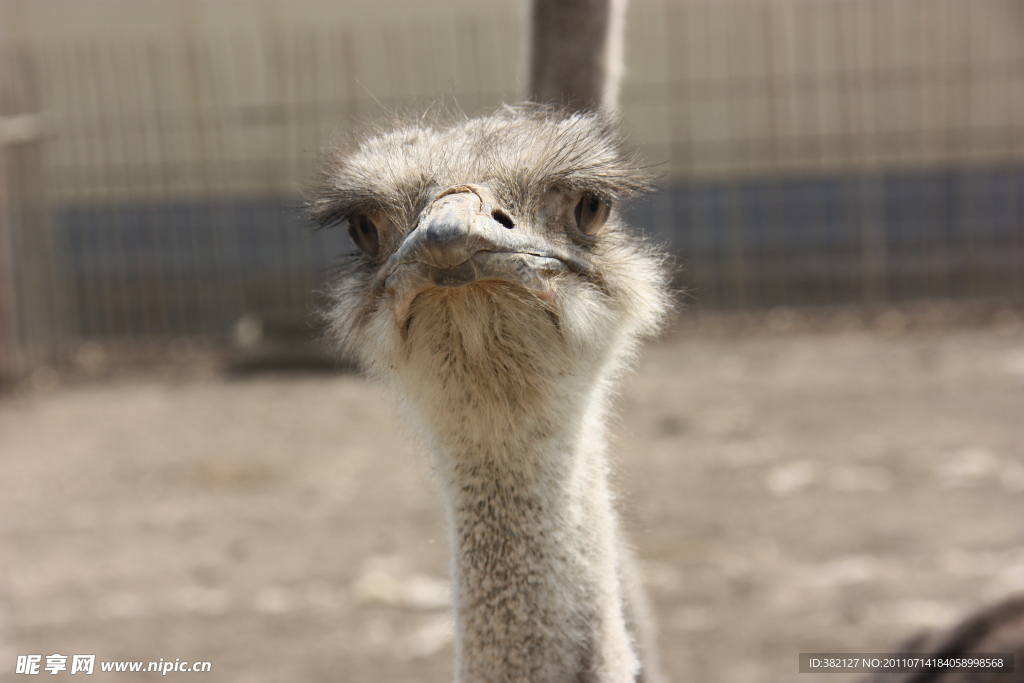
(773, 228)
(12, 356)
(972, 273)
(204, 261)
(874, 252)
(735, 218)
(152, 270)
(1015, 125)
(677, 98)
(235, 176)
(169, 172)
(32, 305)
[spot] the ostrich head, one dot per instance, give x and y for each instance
(491, 256)
(496, 288)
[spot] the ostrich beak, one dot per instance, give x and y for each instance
(465, 237)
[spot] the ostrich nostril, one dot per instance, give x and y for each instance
(503, 218)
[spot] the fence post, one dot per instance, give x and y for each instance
(8, 333)
(9, 361)
(30, 300)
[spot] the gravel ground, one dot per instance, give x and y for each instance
(797, 491)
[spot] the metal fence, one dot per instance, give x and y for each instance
(846, 151)
(814, 152)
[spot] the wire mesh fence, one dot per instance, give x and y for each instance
(813, 152)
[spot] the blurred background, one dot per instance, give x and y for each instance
(830, 439)
(813, 152)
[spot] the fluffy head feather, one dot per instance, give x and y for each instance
(536, 161)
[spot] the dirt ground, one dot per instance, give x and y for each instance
(789, 491)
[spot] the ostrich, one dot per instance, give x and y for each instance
(497, 290)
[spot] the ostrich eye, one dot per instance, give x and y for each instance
(364, 233)
(591, 214)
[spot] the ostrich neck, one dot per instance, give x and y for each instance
(513, 410)
(535, 549)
